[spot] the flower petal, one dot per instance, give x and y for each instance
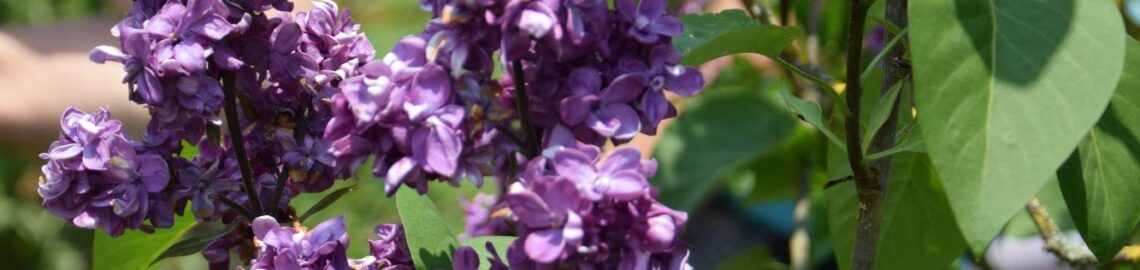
(685, 81)
(575, 166)
(262, 225)
(623, 186)
(622, 158)
(575, 109)
(104, 53)
(667, 26)
(545, 246)
(529, 208)
(623, 89)
(213, 27)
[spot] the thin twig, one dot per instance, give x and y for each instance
(1073, 252)
(834, 182)
(232, 122)
(530, 147)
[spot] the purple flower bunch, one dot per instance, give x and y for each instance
(167, 48)
(325, 246)
(305, 104)
(433, 109)
(281, 73)
(98, 177)
(576, 211)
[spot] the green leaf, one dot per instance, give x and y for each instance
(200, 235)
(810, 112)
(882, 53)
(879, 115)
(891, 27)
(918, 229)
(1005, 90)
(714, 135)
(136, 249)
(430, 241)
(500, 243)
(326, 201)
(776, 174)
(911, 143)
(1099, 183)
(708, 36)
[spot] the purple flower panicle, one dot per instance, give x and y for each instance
(98, 177)
(573, 209)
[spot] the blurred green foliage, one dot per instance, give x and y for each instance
(44, 11)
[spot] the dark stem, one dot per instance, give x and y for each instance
(232, 204)
(522, 106)
(234, 125)
(870, 211)
(872, 188)
(278, 190)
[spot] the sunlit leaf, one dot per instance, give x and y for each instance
(430, 241)
(136, 249)
(708, 36)
(1005, 90)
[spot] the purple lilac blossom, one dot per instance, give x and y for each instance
(432, 109)
(96, 177)
(574, 210)
(324, 247)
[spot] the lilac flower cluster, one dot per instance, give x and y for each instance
(305, 104)
(325, 246)
(283, 71)
(433, 109)
(573, 210)
(98, 178)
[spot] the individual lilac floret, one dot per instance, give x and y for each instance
(323, 247)
(95, 177)
(574, 210)
(648, 21)
(389, 252)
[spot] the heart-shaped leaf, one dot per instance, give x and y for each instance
(1005, 90)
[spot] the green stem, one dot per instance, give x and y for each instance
(522, 106)
(234, 125)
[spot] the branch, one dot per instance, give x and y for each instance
(1076, 253)
(871, 183)
(1055, 242)
(234, 125)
